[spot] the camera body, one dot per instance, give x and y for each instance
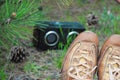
(47, 35)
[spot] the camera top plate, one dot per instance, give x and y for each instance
(55, 24)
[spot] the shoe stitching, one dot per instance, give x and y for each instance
(65, 71)
(108, 48)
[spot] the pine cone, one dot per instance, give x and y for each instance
(18, 54)
(92, 19)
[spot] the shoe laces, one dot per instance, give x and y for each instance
(113, 64)
(84, 59)
(114, 67)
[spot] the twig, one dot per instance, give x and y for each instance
(11, 76)
(7, 21)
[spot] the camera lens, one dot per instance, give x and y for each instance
(71, 35)
(51, 38)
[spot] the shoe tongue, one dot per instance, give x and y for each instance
(87, 45)
(83, 60)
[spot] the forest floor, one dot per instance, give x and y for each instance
(41, 64)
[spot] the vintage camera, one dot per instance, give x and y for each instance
(47, 35)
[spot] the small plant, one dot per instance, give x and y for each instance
(31, 68)
(3, 76)
(48, 78)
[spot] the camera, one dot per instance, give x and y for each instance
(48, 34)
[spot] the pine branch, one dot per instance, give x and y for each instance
(13, 16)
(15, 13)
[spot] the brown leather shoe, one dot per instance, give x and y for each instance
(81, 58)
(109, 62)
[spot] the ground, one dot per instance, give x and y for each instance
(41, 65)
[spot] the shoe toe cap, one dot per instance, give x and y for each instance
(88, 36)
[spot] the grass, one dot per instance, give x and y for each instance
(3, 75)
(109, 24)
(58, 60)
(34, 69)
(31, 67)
